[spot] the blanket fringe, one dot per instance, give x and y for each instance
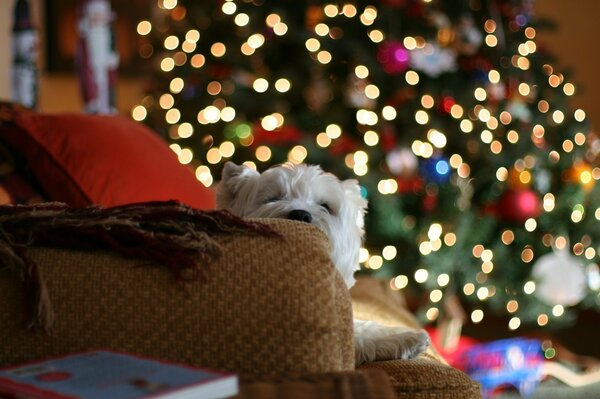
(167, 232)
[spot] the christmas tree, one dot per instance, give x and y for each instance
(480, 178)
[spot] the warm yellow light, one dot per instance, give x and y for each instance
(263, 153)
(371, 138)
(389, 113)
(172, 116)
(361, 71)
(421, 117)
(176, 85)
(412, 78)
(203, 175)
(322, 29)
(185, 156)
(260, 85)
(477, 316)
(229, 8)
(324, 57)
(185, 130)
(139, 113)
(144, 27)
(256, 40)
(323, 140)
(389, 252)
(218, 49)
(280, 29)
(282, 85)
(197, 60)
(241, 19)
(192, 36)
(167, 64)
(372, 91)
(298, 154)
(312, 44)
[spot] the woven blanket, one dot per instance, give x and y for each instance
(167, 232)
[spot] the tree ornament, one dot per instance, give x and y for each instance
(518, 205)
(519, 179)
(436, 169)
(402, 162)
(468, 37)
(560, 279)
(355, 93)
(581, 173)
(393, 57)
(433, 60)
(25, 44)
(519, 110)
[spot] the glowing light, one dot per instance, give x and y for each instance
(372, 91)
(171, 42)
(558, 310)
(144, 27)
(389, 113)
(361, 71)
(435, 295)
(477, 316)
(297, 154)
(260, 85)
(389, 252)
(324, 57)
(437, 138)
(197, 60)
(139, 113)
(218, 49)
(213, 156)
(421, 275)
(167, 64)
(229, 8)
(192, 36)
(256, 40)
(204, 176)
(375, 262)
(185, 156)
(172, 116)
(176, 85)
(412, 78)
(400, 282)
(263, 153)
(514, 323)
(283, 85)
(371, 138)
(241, 19)
(185, 130)
(312, 44)
(421, 117)
(280, 29)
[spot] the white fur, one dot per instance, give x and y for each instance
(337, 208)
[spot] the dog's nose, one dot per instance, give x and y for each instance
(300, 215)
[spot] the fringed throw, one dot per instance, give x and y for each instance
(168, 232)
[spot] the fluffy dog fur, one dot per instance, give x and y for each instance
(305, 193)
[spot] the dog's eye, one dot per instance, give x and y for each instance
(272, 199)
(326, 207)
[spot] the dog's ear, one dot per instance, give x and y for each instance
(232, 179)
(354, 197)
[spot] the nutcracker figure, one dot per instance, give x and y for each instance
(25, 44)
(97, 59)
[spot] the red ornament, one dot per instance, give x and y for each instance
(519, 205)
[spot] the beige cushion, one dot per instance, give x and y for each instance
(427, 376)
(268, 307)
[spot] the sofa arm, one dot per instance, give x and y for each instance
(268, 307)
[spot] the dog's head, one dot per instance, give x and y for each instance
(304, 193)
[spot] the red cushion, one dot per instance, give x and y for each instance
(103, 160)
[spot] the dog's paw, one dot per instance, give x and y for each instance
(389, 343)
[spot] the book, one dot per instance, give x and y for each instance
(102, 374)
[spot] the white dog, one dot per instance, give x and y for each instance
(307, 194)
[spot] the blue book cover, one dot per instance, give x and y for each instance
(105, 374)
